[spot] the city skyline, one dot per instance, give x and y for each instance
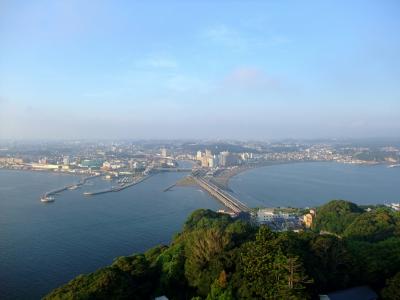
(199, 70)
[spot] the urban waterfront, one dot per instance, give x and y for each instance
(45, 245)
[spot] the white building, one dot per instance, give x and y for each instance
(265, 215)
(199, 155)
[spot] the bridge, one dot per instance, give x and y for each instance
(222, 196)
(172, 169)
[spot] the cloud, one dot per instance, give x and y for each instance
(249, 78)
(244, 39)
(157, 62)
(223, 34)
(160, 62)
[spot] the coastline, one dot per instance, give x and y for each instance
(45, 171)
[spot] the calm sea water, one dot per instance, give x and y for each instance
(315, 183)
(45, 245)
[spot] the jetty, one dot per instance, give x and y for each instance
(170, 187)
(69, 187)
(117, 188)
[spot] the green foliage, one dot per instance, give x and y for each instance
(202, 253)
(373, 226)
(217, 257)
(220, 290)
(329, 263)
(267, 273)
(375, 261)
(127, 278)
(392, 290)
(205, 218)
(172, 281)
(153, 254)
(336, 215)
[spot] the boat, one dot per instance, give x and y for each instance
(394, 166)
(47, 199)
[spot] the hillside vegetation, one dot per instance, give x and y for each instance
(216, 257)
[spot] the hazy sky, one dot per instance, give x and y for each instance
(198, 69)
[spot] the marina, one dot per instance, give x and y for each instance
(123, 185)
(50, 196)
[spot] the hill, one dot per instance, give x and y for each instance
(217, 257)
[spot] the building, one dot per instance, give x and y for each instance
(164, 152)
(309, 218)
(211, 162)
(199, 155)
(66, 160)
(227, 159)
(207, 160)
(223, 158)
(91, 163)
(11, 160)
(246, 156)
(43, 160)
(265, 215)
(45, 166)
(278, 221)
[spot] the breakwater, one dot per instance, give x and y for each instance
(70, 186)
(117, 188)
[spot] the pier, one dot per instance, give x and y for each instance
(172, 169)
(68, 187)
(117, 188)
(222, 196)
(170, 187)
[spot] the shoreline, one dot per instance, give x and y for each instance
(46, 171)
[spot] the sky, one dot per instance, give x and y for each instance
(199, 69)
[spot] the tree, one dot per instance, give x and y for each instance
(220, 290)
(336, 215)
(203, 250)
(373, 226)
(329, 263)
(267, 273)
(392, 289)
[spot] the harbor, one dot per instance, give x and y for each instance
(124, 184)
(50, 196)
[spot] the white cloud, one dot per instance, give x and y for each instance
(243, 39)
(224, 35)
(158, 62)
(162, 62)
